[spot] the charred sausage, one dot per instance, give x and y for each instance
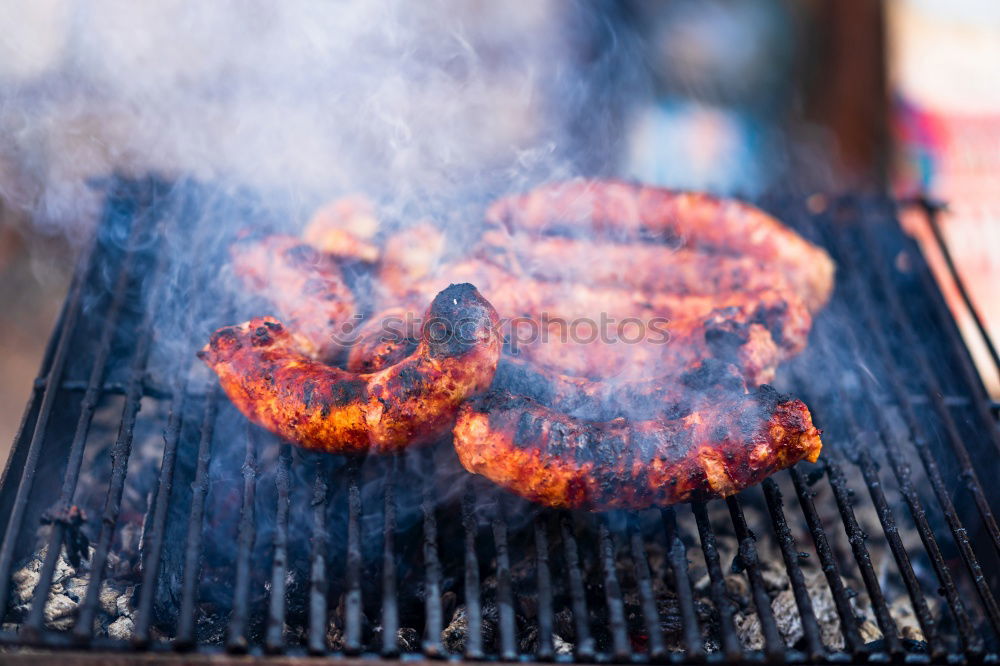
(722, 446)
(317, 406)
(627, 211)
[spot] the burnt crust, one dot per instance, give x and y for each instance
(571, 462)
(458, 319)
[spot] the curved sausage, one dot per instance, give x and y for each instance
(725, 444)
(325, 408)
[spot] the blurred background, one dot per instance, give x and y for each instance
(736, 97)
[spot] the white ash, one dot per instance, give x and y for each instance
(562, 648)
(906, 619)
(789, 622)
(69, 587)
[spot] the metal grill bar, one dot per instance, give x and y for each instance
(774, 647)
(505, 598)
(677, 559)
(848, 622)
(584, 648)
(390, 609)
(432, 567)
(613, 595)
(318, 584)
(731, 647)
(647, 598)
(237, 641)
(789, 552)
(275, 638)
(546, 649)
(352, 599)
(473, 606)
(75, 460)
(192, 552)
(151, 565)
(120, 453)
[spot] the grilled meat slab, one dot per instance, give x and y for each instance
(723, 445)
(317, 406)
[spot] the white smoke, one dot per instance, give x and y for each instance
(391, 97)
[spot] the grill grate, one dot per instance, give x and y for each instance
(249, 545)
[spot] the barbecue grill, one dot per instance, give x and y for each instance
(141, 513)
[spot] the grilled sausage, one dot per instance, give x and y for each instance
(626, 211)
(647, 267)
(325, 408)
(723, 446)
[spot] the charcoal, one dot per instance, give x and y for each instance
(453, 636)
(121, 629)
(409, 639)
(527, 640)
(69, 588)
(527, 604)
(564, 624)
(449, 602)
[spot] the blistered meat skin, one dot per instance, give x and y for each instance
(720, 448)
(321, 407)
(628, 211)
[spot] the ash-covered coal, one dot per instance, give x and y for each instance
(69, 587)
